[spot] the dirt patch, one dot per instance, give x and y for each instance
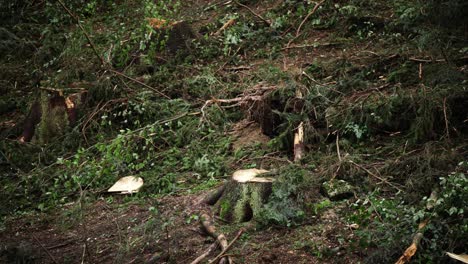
(164, 230)
(248, 133)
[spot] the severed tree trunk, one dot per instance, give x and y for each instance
(299, 143)
(51, 115)
(244, 196)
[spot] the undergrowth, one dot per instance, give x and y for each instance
(382, 97)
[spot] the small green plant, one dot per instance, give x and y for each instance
(356, 130)
(318, 208)
(390, 224)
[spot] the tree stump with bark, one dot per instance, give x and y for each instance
(242, 198)
(51, 115)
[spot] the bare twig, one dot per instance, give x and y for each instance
(426, 60)
(446, 120)
(298, 31)
(253, 13)
(205, 254)
(308, 15)
(374, 175)
(141, 83)
(338, 146)
(45, 249)
(77, 20)
(315, 45)
(229, 23)
(242, 230)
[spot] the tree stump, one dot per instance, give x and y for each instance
(244, 196)
(51, 115)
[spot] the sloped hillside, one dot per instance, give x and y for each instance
(357, 109)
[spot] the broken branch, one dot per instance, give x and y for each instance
(222, 254)
(205, 254)
(209, 228)
(253, 13)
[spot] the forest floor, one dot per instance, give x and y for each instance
(382, 95)
(123, 233)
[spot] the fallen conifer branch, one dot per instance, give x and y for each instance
(374, 175)
(253, 13)
(298, 31)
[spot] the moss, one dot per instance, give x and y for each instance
(239, 208)
(54, 121)
(225, 208)
(243, 202)
(256, 199)
(337, 189)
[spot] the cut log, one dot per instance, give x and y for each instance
(244, 196)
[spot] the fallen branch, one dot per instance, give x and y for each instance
(141, 83)
(223, 253)
(315, 45)
(77, 20)
(205, 254)
(426, 60)
(45, 249)
(411, 250)
(307, 17)
(446, 119)
(253, 13)
(257, 93)
(229, 23)
(298, 31)
(209, 228)
(374, 175)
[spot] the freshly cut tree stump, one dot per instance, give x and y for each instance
(244, 196)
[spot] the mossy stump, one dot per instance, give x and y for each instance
(51, 115)
(244, 196)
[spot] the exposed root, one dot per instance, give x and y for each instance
(214, 196)
(223, 253)
(209, 228)
(257, 93)
(205, 254)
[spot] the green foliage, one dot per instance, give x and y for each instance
(320, 207)
(374, 98)
(283, 207)
(389, 224)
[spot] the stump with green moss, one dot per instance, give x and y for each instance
(243, 196)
